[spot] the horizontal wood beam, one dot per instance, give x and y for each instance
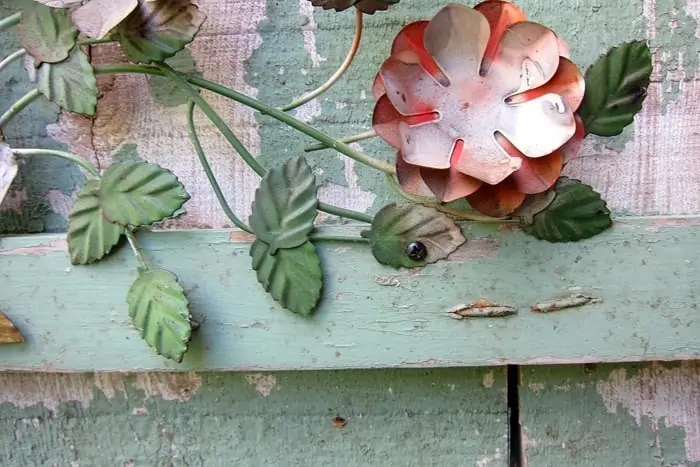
(643, 273)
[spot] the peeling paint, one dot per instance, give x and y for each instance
(485, 461)
(488, 379)
(306, 10)
(169, 386)
(39, 250)
(652, 395)
(264, 384)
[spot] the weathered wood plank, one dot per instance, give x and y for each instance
(643, 273)
(601, 415)
(410, 417)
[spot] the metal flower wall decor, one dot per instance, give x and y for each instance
(481, 106)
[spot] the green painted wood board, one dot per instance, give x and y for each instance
(643, 271)
(394, 418)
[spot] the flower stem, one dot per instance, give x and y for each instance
(61, 154)
(18, 106)
(214, 117)
(7, 61)
(263, 109)
(340, 72)
(9, 21)
(349, 139)
(210, 174)
(136, 248)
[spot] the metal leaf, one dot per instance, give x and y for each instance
(8, 170)
(400, 231)
(578, 212)
(163, 90)
(47, 33)
(365, 6)
(285, 205)
(158, 29)
(9, 334)
(90, 235)
(160, 312)
(292, 276)
(616, 87)
(138, 193)
(97, 18)
(71, 83)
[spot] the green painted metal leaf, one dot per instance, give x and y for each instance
(411, 235)
(8, 170)
(160, 311)
(47, 33)
(285, 205)
(167, 93)
(577, 212)
(365, 6)
(71, 83)
(292, 276)
(90, 235)
(138, 193)
(158, 29)
(616, 87)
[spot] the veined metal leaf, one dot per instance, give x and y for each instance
(163, 90)
(400, 229)
(158, 29)
(365, 6)
(97, 18)
(71, 83)
(285, 205)
(292, 276)
(8, 170)
(138, 193)
(46, 33)
(90, 235)
(9, 334)
(160, 312)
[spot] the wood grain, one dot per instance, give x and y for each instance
(9, 334)
(641, 273)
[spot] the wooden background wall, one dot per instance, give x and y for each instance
(637, 415)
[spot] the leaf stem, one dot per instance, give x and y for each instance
(18, 106)
(347, 213)
(204, 106)
(61, 154)
(10, 21)
(7, 61)
(95, 41)
(136, 248)
(354, 47)
(263, 109)
(209, 173)
(349, 139)
(337, 238)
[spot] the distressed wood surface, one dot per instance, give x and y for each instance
(642, 274)
(641, 415)
(408, 418)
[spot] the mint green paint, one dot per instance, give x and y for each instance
(643, 272)
(38, 175)
(567, 423)
(409, 417)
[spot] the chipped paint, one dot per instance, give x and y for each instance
(308, 32)
(264, 384)
(485, 461)
(651, 396)
(59, 244)
(480, 248)
(179, 387)
(308, 112)
(488, 379)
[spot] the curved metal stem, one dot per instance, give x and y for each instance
(339, 73)
(349, 139)
(7, 61)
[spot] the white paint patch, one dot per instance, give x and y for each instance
(488, 379)
(352, 196)
(264, 384)
(169, 386)
(308, 32)
(309, 111)
(485, 461)
(537, 387)
(657, 393)
(692, 7)
(649, 13)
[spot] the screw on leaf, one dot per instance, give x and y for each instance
(417, 251)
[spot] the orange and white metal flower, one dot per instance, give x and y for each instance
(480, 103)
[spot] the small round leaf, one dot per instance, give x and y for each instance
(138, 193)
(90, 235)
(47, 33)
(71, 83)
(285, 205)
(293, 276)
(400, 231)
(578, 212)
(365, 6)
(160, 311)
(616, 87)
(158, 29)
